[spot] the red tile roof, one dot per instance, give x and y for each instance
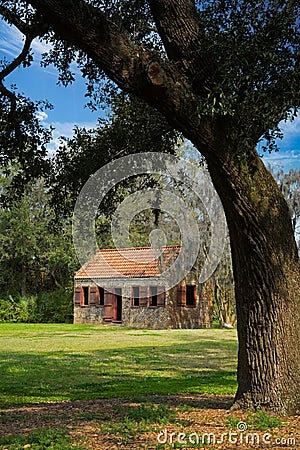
(138, 262)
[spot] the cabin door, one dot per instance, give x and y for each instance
(118, 305)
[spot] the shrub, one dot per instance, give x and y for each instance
(8, 310)
(52, 307)
(55, 307)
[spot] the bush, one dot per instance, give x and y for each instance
(8, 310)
(55, 307)
(52, 307)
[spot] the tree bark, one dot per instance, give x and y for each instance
(182, 35)
(266, 273)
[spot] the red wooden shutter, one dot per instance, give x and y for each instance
(161, 296)
(77, 296)
(93, 295)
(181, 295)
(143, 296)
(108, 306)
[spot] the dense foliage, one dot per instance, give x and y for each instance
(37, 260)
(48, 307)
(131, 127)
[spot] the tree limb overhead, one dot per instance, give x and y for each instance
(128, 65)
(182, 35)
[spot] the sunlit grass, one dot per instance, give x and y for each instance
(74, 362)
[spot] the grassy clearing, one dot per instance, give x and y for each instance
(94, 388)
(42, 363)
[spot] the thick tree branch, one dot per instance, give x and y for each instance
(132, 68)
(180, 33)
(89, 30)
(183, 37)
(18, 60)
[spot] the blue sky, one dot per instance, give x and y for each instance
(69, 103)
(41, 84)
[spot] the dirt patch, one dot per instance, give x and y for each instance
(107, 424)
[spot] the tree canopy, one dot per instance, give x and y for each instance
(233, 59)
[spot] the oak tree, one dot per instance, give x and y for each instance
(224, 73)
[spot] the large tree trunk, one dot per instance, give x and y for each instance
(266, 273)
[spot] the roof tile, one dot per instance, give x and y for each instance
(137, 262)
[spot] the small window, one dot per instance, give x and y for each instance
(101, 296)
(190, 295)
(85, 295)
(153, 296)
(136, 296)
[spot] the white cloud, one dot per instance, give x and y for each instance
(291, 131)
(66, 128)
(39, 47)
(12, 41)
(42, 116)
(285, 160)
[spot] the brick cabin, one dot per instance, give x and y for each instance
(125, 288)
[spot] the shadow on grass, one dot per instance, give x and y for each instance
(78, 422)
(104, 397)
(130, 373)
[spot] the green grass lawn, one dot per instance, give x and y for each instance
(60, 362)
(91, 387)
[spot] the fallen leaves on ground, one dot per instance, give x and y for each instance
(197, 418)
